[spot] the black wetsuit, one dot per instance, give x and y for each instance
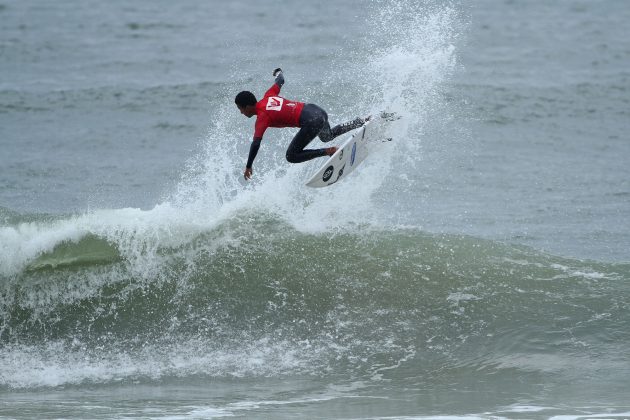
(314, 122)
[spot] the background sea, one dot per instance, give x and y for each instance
(478, 266)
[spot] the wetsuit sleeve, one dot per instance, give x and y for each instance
(262, 122)
(253, 151)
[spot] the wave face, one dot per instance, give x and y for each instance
(253, 296)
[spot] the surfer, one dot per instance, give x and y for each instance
(276, 111)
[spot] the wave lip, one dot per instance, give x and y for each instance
(98, 236)
(24, 242)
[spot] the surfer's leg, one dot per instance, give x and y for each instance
(327, 133)
(296, 152)
(312, 119)
(345, 127)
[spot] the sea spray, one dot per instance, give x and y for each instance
(400, 67)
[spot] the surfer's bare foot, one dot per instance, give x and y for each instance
(330, 151)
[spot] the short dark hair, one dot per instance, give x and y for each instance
(245, 98)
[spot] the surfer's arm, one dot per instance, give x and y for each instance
(253, 151)
(275, 89)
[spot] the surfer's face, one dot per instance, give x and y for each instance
(249, 111)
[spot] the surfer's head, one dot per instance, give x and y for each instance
(246, 103)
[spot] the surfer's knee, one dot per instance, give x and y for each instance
(292, 156)
(325, 135)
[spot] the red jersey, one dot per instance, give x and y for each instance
(276, 111)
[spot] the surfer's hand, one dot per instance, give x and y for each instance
(248, 173)
(279, 77)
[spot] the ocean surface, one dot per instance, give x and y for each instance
(477, 266)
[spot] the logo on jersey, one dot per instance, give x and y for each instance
(274, 103)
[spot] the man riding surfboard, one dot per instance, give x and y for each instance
(276, 111)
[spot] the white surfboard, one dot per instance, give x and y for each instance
(349, 155)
